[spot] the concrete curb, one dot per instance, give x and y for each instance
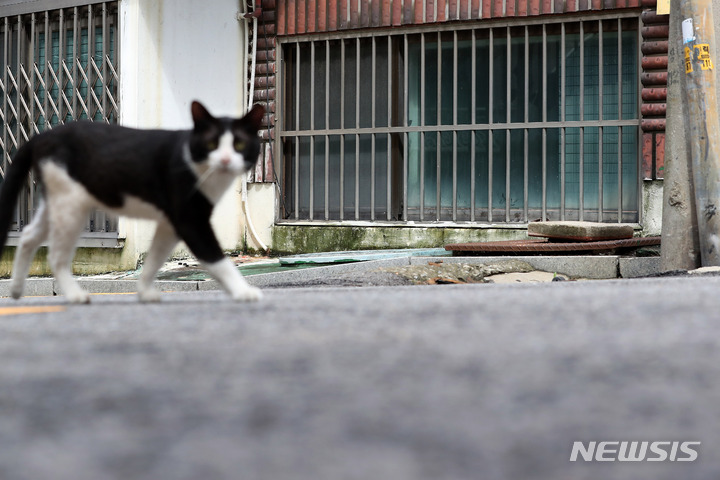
(591, 267)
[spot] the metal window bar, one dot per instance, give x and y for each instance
(57, 65)
(539, 146)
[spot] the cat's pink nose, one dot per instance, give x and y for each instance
(225, 161)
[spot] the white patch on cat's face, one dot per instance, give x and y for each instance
(219, 170)
(225, 158)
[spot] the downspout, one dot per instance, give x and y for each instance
(251, 94)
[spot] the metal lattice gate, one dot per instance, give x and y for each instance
(57, 65)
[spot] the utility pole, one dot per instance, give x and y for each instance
(701, 120)
(680, 249)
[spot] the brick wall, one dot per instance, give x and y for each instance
(297, 17)
(654, 50)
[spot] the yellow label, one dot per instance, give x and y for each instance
(663, 7)
(703, 56)
(688, 60)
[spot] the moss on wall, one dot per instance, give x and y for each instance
(293, 239)
(88, 261)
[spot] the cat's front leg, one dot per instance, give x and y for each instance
(232, 281)
(163, 243)
(198, 235)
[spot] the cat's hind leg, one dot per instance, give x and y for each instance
(32, 236)
(163, 243)
(66, 225)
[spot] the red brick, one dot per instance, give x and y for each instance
(653, 78)
(354, 14)
(419, 12)
(464, 9)
(322, 15)
(408, 13)
(397, 13)
(547, 6)
(375, 17)
(656, 31)
(332, 15)
(429, 11)
(652, 124)
(534, 7)
(654, 63)
(486, 8)
(596, 4)
(522, 8)
(311, 16)
(441, 6)
(650, 17)
(653, 48)
(291, 21)
(654, 94)
(385, 15)
(301, 16)
(281, 17)
(364, 13)
(620, 3)
(659, 155)
(510, 8)
(452, 10)
(497, 11)
(475, 9)
(342, 15)
(571, 6)
(647, 155)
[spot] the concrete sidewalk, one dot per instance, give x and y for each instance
(366, 273)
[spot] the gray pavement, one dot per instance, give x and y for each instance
(422, 382)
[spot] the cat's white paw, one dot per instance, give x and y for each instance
(78, 296)
(149, 295)
(247, 294)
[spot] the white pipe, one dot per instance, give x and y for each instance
(251, 94)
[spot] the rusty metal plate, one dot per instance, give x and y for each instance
(543, 245)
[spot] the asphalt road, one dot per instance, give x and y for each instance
(383, 383)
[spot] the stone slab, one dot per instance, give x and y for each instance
(34, 287)
(634, 267)
(581, 231)
(575, 266)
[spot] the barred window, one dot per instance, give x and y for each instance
(57, 66)
(483, 124)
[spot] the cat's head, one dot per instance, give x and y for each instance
(228, 145)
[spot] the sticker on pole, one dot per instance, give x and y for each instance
(687, 31)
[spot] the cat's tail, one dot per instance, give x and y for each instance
(15, 175)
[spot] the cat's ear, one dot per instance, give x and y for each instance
(200, 114)
(252, 121)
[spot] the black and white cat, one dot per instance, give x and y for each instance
(172, 177)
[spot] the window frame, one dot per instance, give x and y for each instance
(293, 217)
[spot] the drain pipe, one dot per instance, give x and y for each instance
(244, 179)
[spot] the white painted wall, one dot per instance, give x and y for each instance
(173, 52)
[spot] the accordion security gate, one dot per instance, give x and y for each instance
(57, 65)
(504, 123)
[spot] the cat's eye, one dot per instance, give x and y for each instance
(212, 144)
(239, 145)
